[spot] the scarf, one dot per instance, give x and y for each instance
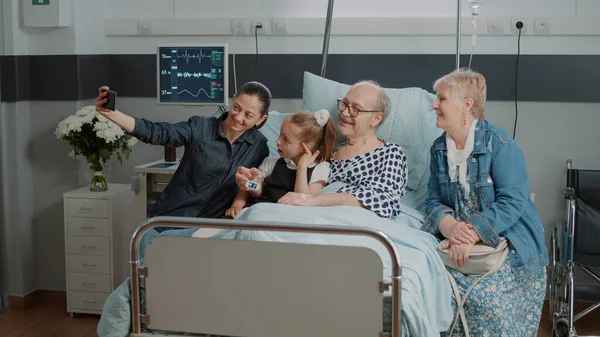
(457, 159)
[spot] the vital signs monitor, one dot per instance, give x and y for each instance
(193, 74)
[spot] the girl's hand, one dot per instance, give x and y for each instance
(459, 253)
(243, 175)
(307, 157)
(233, 211)
(298, 199)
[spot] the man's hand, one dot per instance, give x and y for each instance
(459, 253)
(243, 175)
(298, 199)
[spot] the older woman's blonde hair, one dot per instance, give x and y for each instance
(466, 83)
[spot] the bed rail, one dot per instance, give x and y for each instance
(178, 222)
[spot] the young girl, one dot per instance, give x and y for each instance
(297, 168)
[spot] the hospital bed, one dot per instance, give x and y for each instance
(282, 270)
(251, 288)
(312, 271)
(339, 271)
(575, 244)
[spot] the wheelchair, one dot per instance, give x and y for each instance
(575, 243)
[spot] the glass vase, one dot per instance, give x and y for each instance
(98, 183)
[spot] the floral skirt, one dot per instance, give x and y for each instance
(501, 305)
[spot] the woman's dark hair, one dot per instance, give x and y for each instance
(261, 92)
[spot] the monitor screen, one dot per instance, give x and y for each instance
(193, 74)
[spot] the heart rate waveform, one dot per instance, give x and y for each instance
(195, 95)
(195, 75)
(200, 56)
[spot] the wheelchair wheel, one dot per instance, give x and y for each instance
(562, 329)
(556, 277)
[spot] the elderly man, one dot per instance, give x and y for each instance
(374, 171)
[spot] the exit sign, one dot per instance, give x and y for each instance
(40, 2)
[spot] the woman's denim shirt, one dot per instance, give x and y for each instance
(498, 170)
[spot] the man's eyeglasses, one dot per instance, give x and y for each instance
(352, 110)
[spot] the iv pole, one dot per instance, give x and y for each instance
(328, 33)
(458, 33)
(326, 37)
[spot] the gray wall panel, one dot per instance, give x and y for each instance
(552, 78)
(93, 71)
(53, 78)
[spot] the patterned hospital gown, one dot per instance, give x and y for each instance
(499, 305)
(377, 179)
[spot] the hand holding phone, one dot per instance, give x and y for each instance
(110, 100)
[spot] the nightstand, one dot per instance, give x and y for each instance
(98, 227)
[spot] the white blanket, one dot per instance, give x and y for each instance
(426, 293)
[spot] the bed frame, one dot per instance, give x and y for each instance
(265, 289)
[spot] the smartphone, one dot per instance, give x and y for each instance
(111, 100)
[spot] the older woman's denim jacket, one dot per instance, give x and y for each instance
(497, 168)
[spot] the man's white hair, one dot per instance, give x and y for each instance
(383, 102)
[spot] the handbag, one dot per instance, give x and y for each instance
(484, 260)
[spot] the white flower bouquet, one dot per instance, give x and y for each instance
(96, 138)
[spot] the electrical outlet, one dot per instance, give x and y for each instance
(265, 23)
(513, 26)
(541, 26)
(144, 27)
(495, 26)
(239, 26)
(279, 26)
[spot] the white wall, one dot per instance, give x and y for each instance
(15, 40)
(343, 8)
(37, 170)
(17, 181)
(88, 26)
(17, 184)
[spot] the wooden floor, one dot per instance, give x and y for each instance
(51, 320)
(47, 320)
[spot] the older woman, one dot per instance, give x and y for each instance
(374, 170)
(479, 192)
